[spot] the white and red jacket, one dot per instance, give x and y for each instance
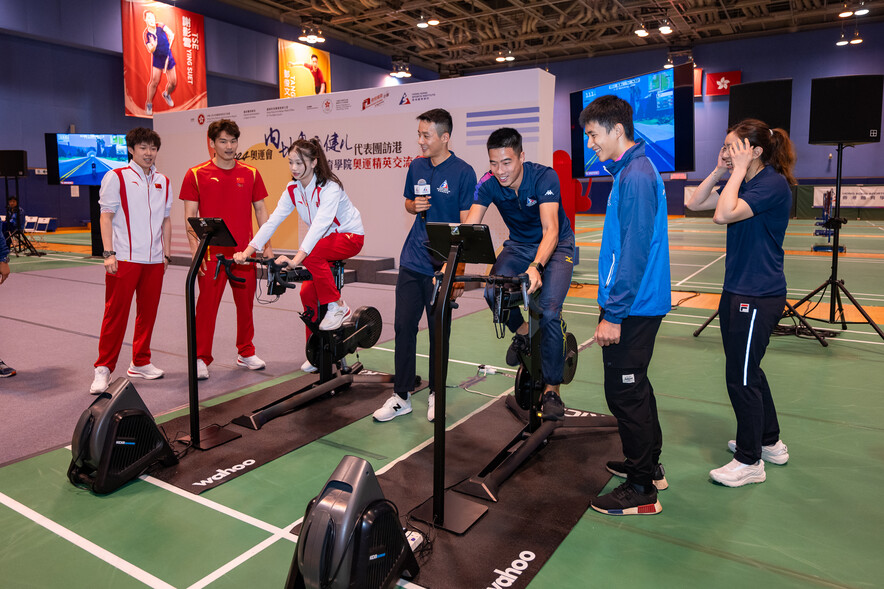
(140, 204)
(325, 209)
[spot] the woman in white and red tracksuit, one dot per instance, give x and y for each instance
(335, 232)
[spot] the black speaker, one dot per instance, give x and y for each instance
(116, 439)
(351, 536)
(13, 162)
(769, 101)
(846, 109)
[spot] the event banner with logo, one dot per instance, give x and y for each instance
(164, 63)
(370, 138)
(858, 197)
(303, 70)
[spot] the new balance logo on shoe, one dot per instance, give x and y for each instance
(224, 472)
(510, 575)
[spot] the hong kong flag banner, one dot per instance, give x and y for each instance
(719, 84)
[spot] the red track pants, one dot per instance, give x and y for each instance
(146, 282)
(321, 290)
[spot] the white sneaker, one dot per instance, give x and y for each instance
(148, 109)
(148, 371)
(431, 406)
(335, 317)
(250, 362)
(394, 407)
(737, 474)
(309, 368)
(775, 454)
(202, 371)
(102, 379)
(168, 99)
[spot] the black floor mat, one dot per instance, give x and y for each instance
(538, 506)
(200, 471)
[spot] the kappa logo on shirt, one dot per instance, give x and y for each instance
(444, 187)
(548, 193)
(532, 201)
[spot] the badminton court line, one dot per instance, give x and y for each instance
(700, 270)
(84, 544)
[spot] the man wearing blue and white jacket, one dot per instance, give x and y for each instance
(634, 295)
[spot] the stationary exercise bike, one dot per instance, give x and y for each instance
(451, 510)
(326, 350)
(511, 292)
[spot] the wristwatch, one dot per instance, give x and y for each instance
(108, 253)
(537, 265)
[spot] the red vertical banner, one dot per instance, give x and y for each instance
(698, 82)
(164, 61)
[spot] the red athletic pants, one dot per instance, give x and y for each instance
(146, 282)
(321, 290)
(209, 300)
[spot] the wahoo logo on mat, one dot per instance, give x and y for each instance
(510, 575)
(223, 472)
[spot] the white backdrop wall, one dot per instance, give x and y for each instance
(370, 136)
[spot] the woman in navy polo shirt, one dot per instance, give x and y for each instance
(754, 204)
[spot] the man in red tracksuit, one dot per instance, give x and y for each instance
(226, 188)
(136, 233)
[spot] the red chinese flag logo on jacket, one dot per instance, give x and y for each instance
(719, 84)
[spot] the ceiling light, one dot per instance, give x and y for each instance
(862, 10)
(433, 22)
(422, 24)
(856, 38)
(665, 29)
(311, 35)
(500, 57)
(668, 64)
(509, 56)
(845, 12)
(400, 69)
(641, 31)
(842, 41)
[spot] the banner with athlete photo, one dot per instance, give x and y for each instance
(164, 61)
(303, 70)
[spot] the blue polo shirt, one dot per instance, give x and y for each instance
(754, 262)
(452, 184)
(521, 212)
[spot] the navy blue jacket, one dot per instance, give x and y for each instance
(634, 256)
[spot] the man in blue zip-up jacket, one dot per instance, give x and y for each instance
(634, 295)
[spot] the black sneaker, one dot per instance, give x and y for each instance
(6, 371)
(520, 344)
(626, 500)
(551, 407)
(618, 469)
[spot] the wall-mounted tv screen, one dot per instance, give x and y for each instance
(83, 158)
(663, 116)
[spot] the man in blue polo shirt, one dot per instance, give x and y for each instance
(634, 295)
(541, 243)
(438, 189)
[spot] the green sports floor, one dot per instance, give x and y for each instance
(815, 522)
